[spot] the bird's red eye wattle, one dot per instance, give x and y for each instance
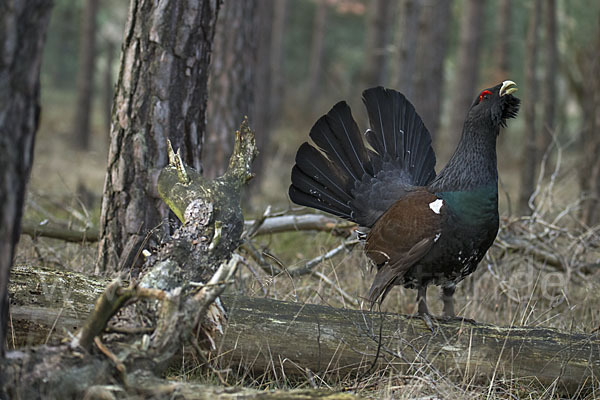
(484, 95)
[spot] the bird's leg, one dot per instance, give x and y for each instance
(422, 300)
(422, 310)
(447, 293)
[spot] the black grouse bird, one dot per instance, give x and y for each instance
(422, 229)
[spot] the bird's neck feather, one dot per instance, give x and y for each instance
(473, 164)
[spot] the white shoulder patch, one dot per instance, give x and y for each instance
(436, 205)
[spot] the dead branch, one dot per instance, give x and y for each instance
(303, 222)
(61, 233)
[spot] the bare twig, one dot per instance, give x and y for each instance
(307, 268)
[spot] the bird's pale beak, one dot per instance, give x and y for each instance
(508, 87)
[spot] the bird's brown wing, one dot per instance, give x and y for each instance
(401, 237)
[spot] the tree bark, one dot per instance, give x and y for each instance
(467, 71)
(161, 94)
(378, 37)
(529, 160)
(85, 75)
(22, 32)
(231, 82)
(431, 53)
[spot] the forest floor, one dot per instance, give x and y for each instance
(513, 286)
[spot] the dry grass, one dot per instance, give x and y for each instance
(512, 286)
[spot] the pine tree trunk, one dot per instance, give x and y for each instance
(407, 43)
(231, 81)
(22, 32)
(161, 94)
(431, 53)
(467, 72)
(379, 30)
(85, 75)
(529, 158)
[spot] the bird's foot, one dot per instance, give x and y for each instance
(427, 318)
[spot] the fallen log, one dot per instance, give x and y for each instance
(270, 336)
(293, 338)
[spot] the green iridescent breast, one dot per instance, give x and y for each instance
(474, 206)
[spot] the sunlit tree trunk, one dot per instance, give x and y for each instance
(529, 159)
(85, 75)
(161, 94)
(468, 62)
(23, 26)
(232, 74)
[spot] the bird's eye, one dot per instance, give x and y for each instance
(484, 95)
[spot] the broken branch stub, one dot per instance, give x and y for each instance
(170, 277)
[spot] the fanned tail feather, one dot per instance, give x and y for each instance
(398, 134)
(345, 178)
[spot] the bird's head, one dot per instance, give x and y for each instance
(496, 104)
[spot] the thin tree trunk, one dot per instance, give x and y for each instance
(280, 17)
(22, 32)
(109, 83)
(316, 54)
(268, 84)
(379, 30)
(502, 40)
(85, 75)
(468, 61)
(161, 94)
(529, 157)
(231, 82)
(588, 95)
(431, 53)
(407, 43)
(551, 68)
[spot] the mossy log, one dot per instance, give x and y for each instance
(291, 338)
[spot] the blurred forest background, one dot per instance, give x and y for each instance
(284, 63)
